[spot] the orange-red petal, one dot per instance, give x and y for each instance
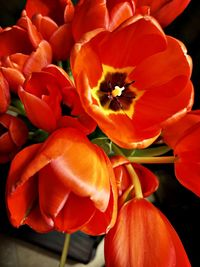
(188, 158)
(164, 11)
(24, 195)
(76, 212)
(142, 238)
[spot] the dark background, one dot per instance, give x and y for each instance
(180, 206)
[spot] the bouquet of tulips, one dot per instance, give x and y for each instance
(89, 92)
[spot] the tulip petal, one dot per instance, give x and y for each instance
(24, 195)
(84, 180)
(62, 38)
(87, 127)
(139, 37)
(188, 155)
(69, 12)
(149, 106)
(139, 238)
(68, 220)
(52, 193)
(18, 131)
(97, 17)
(14, 78)
(15, 61)
(37, 222)
(173, 132)
(93, 68)
(50, 8)
(6, 143)
(38, 59)
(34, 35)
(61, 76)
(119, 13)
(45, 25)
(101, 222)
(164, 11)
(39, 113)
(8, 44)
(164, 65)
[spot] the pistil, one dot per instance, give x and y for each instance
(117, 91)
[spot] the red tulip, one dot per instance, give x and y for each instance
(163, 10)
(106, 14)
(133, 82)
(13, 134)
(53, 181)
(41, 96)
(22, 51)
(53, 20)
(148, 180)
(143, 237)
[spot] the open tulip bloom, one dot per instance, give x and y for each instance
(88, 94)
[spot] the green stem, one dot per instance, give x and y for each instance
(152, 160)
(132, 173)
(117, 150)
(65, 251)
(135, 180)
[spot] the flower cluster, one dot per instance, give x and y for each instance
(85, 91)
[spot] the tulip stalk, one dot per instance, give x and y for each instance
(135, 180)
(132, 173)
(152, 160)
(65, 251)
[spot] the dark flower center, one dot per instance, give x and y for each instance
(114, 92)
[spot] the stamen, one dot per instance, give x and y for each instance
(117, 91)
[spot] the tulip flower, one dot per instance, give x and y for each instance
(42, 95)
(133, 80)
(163, 10)
(22, 51)
(13, 134)
(107, 14)
(143, 237)
(52, 181)
(148, 180)
(53, 20)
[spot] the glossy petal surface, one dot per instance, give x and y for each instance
(143, 237)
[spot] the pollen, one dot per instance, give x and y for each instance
(117, 91)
